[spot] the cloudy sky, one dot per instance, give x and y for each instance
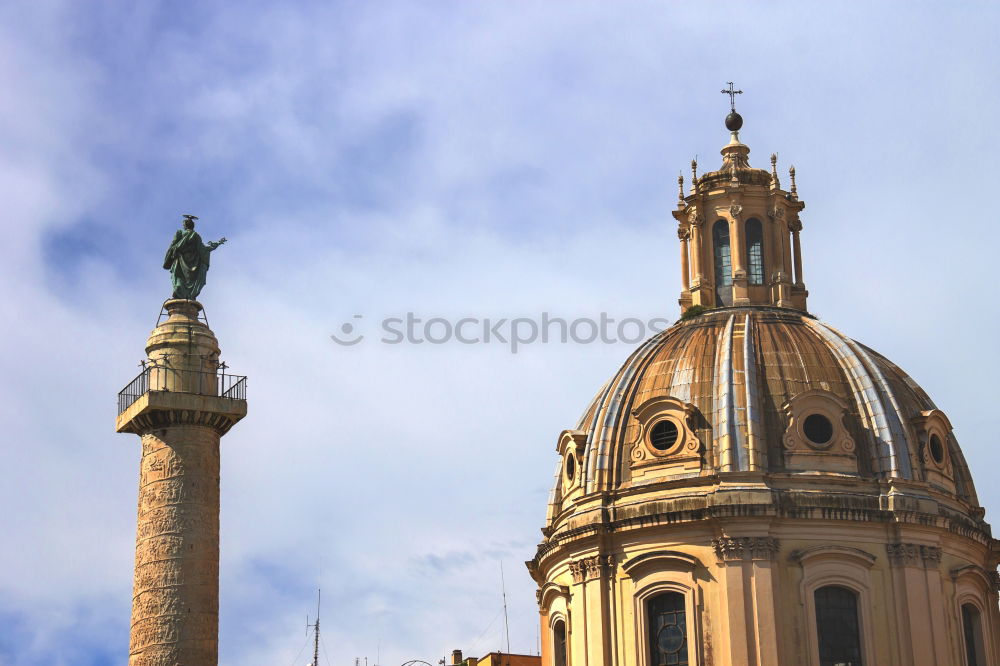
(452, 159)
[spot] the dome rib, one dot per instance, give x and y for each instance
(611, 409)
(722, 411)
(868, 387)
(753, 414)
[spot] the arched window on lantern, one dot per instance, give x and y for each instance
(972, 631)
(837, 626)
(559, 643)
(723, 263)
(755, 251)
(667, 623)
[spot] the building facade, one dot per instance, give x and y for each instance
(755, 488)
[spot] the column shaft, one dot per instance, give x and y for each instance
(685, 269)
(175, 605)
(798, 257)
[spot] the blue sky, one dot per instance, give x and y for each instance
(447, 158)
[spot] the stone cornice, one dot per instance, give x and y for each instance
(161, 409)
(783, 504)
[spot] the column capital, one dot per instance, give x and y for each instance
(912, 554)
(739, 549)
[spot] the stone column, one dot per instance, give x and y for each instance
(796, 227)
(180, 419)
(685, 270)
(697, 260)
(775, 261)
(737, 252)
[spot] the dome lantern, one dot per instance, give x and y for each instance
(739, 233)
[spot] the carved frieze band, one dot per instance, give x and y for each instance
(591, 567)
(911, 554)
(732, 549)
(165, 418)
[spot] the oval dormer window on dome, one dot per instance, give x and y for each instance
(933, 430)
(664, 435)
(665, 442)
(818, 429)
(937, 449)
(570, 448)
(815, 438)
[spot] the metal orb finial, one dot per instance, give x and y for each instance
(734, 121)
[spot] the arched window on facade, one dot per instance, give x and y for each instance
(559, 643)
(667, 622)
(972, 630)
(755, 251)
(723, 263)
(837, 626)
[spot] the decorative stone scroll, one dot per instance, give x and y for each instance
(736, 549)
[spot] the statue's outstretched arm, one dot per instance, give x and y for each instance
(214, 244)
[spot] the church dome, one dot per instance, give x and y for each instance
(760, 389)
(755, 488)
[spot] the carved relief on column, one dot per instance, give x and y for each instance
(175, 590)
(738, 549)
(911, 555)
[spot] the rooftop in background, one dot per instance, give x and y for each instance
(496, 659)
